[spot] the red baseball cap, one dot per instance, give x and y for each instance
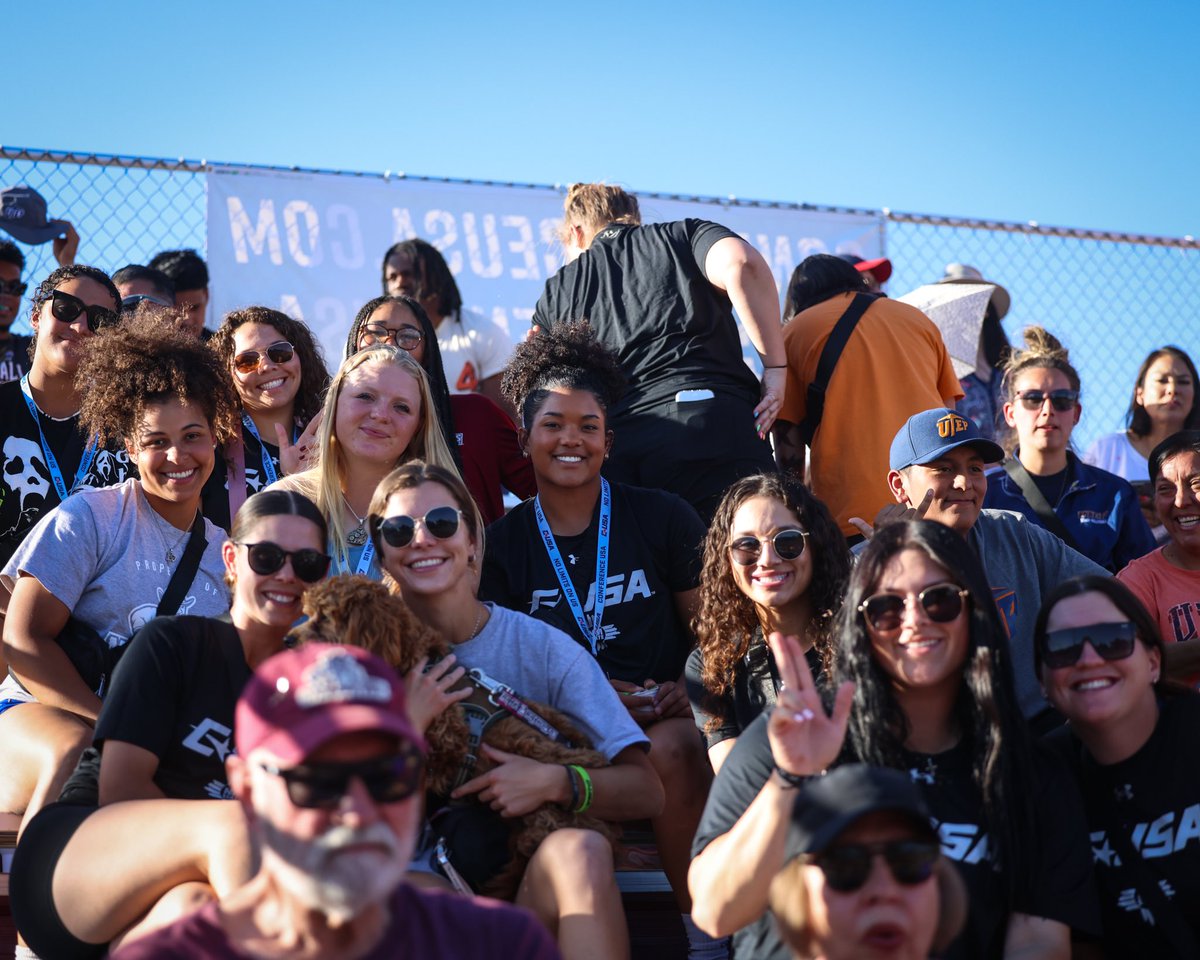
(300, 699)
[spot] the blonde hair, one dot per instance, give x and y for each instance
(593, 205)
(325, 479)
(1042, 351)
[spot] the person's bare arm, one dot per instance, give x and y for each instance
(1036, 938)
(66, 247)
(1181, 660)
(789, 448)
(34, 618)
(718, 752)
(127, 773)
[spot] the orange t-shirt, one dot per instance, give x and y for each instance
(1170, 593)
(894, 365)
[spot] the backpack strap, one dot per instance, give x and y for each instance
(830, 354)
(1041, 506)
(185, 573)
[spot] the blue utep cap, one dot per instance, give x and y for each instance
(934, 433)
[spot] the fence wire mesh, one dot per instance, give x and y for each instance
(1109, 297)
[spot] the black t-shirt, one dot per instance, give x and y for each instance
(27, 491)
(214, 498)
(644, 291)
(1061, 889)
(1153, 800)
(653, 553)
(174, 694)
(14, 357)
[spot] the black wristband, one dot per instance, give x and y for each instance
(791, 781)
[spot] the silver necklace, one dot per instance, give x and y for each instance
(170, 556)
(358, 536)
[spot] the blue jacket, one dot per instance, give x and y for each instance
(1098, 508)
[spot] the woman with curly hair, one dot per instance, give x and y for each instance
(46, 456)
(925, 686)
(378, 414)
(105, 559)
(613, 566)
(479, 434)
(774, 561)
(279, 373)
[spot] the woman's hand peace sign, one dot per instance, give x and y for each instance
(301, 455)
(804, 740)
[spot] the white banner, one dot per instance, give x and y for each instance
(312, 244)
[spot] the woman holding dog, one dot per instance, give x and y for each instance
(429, 536)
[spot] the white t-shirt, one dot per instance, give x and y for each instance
(473, 349)
(1113, 452)
(103, 554)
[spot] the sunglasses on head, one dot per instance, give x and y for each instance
(406, 338)
(13, 288)
(941, 602)
(266, 558)
(248, 360)
(847, 866)
(398, 531)
(66, 308)
(1112, 641)
(1059, 399)
(788, 545)
(321, 786)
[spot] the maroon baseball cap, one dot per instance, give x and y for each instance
(300, 699)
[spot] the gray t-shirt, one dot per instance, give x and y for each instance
(103, 554)
(542, 663)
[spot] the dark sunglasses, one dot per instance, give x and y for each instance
(1112, 641)
(13, 288)
(406, 338)
(266, 558)
(66, 309)
(1059, 399)
(847, 866)
(788, 544)
(279, 352)
(398, 531)
(321, 786)
(942, 603)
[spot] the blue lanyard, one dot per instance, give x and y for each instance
(591, 631)
(364, 561)
(268, 464)
(85, 464)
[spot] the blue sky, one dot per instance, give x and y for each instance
(1067, 113)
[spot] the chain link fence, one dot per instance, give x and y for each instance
(1109, 297)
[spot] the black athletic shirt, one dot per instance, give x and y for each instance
(653, 553)
(1153, 799)
(644, 291)
(1062, 889)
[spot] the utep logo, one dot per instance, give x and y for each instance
(951, 425)
(12, 209)
(1183, 621)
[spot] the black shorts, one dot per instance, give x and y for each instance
(31, 884)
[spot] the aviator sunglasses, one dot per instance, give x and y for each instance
(406, 338)
(1112, 641)
(321, 786)
(788, 545)
(66, 308)
(941, 602)
(847, 866)
(398, 531)
(248, 360)
(266, 558)
(1061, 400)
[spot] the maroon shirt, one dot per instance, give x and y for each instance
(491, 458)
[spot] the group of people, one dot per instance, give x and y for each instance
(218, 737)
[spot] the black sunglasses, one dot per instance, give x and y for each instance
(66, 309)
(13, 288)
(266, 558)
(847, 866)
(321, 786)
(406, 338)
(942, 603)
(398, 531)
(1112, 641)
(248, 360)
(1059, 399)
(788, 544)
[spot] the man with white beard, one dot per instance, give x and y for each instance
(329, 772)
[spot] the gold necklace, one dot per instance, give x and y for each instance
(478, 620)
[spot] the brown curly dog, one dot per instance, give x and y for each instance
(360, 611)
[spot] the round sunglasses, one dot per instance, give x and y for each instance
(398, 531)
(266, 558)
(406, 338)
(248, 360)
(847, 866)
(788, 545)
(1060, 400)
(941, 602)
(66, 308)
(321, 786)
(1112, 641)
